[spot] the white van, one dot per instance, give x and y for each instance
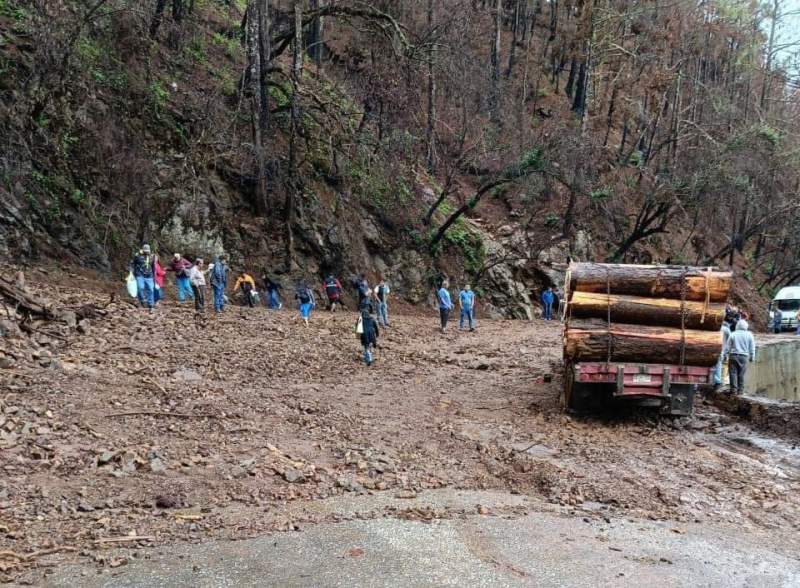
(786, 302)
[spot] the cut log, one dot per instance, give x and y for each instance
(637, 310)
(25, 301)
(660, 281)
(588, 340)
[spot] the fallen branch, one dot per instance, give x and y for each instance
(123, 539)
(35, 554)
(179, 415)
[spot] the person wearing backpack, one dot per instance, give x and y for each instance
(333, 290)
(382, 298)
(445, 304)
(369, 333)
(305, 299)
(219, 280)
(182, 268)
(143, 269)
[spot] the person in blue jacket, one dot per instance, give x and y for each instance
(466, 299)
(445, 304)
(547, 304)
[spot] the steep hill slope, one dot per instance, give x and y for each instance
(373, 139)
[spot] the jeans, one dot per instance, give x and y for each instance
(144, 291)
(219, 297)
(444, 314)
(383, 314)
(185, 289)
(274, 302)
(199, 295)
(548, 312)
(247, 294)
(367, 355)
(469, 314)
(305, 309)
(738, 368)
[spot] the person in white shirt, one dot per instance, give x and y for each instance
(198, 281)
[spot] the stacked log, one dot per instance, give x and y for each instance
(589, 341)
(645, 313)
(638, 310)
(663, 281)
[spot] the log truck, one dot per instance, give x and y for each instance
(644, 334)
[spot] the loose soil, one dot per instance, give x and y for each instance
(161, 426)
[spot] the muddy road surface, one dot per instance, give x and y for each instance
(153, 430)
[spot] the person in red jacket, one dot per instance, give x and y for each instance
(158, 277)
(182, 267)
(333, 289)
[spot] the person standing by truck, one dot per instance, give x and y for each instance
(547, 303)
(739, 350)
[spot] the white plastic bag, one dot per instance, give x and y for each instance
(130, 283)
(360, 326)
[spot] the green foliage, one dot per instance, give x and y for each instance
(281, 94)
(636, 158)
(602, 193)
(470, 243)
(770, 134)
(10, 9)
(551, 219)
(159, 95)
(233, 49)
(196, 49)
(532, 161)
(227, 83)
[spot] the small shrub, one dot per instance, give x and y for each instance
(603, 193)
(551, 219)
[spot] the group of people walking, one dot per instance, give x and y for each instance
(192, 278)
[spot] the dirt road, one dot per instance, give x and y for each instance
(157, 426)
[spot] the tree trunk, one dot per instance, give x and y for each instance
(430, 134)
(293, 189)
(316, 48)
(597, 341)
(573, 68)
(494, 89)
(579, 103)
(257, 92)
(637, 310)
(513, 50)
(651, 280)
(158, 15)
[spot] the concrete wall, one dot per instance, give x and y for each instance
(776, 371)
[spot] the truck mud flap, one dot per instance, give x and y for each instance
(681, 400)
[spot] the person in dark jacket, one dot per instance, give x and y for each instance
(369, 334)
(272, 287)
(333, 290)
(143, 269)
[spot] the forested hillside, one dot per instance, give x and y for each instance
(485, 140)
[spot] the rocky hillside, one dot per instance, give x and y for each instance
(486, 141)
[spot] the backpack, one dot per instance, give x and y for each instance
(304, 296)
(331, 289)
